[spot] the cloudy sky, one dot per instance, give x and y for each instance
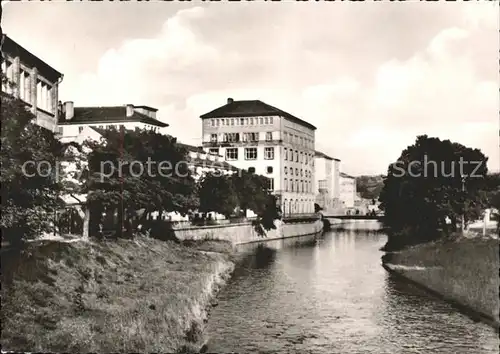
(371, 76)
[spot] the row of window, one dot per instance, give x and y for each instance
(249, 153)
(301, 157)
(308, 174)
(241, 121)
(299, 186)
(235, 137)
(298, 140)
(298, 206)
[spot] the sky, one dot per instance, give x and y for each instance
(370, 76)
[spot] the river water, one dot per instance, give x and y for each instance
(330, 294)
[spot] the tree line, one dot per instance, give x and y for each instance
(120, 193)
(434, 194)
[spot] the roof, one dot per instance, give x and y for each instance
(345, 175)
(14, 49)
(251, 109)
(113, 114)
(325, 156)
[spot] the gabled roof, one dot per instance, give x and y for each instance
(12, 48)
(325, 156)
(108, 115)
(251, 109)
(345, 175)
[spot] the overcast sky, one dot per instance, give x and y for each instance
(370, 76)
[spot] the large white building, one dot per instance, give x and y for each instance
(260, 138)
(347, 190)
(327, 182)
(33, 81)
(79, 123)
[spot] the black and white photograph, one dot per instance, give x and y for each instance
(250, 176)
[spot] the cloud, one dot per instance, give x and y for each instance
(370, 91)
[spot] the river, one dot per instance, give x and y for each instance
(330, 294)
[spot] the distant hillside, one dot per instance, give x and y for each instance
(369, 186)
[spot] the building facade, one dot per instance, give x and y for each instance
(33, 81)
(262, 139)
(76, 123)
(327, 182)
(347, 190)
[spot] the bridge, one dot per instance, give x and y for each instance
(354, 217)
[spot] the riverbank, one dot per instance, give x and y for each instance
(464, 272)
(119, 296)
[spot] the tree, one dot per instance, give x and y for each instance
(252, 191)
(217, 193)
(425, 187)
(133, 170)
(31, 187)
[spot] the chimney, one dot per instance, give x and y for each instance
(69, 110)
(130, 110)
(230, 100)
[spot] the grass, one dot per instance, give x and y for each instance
(464, 270)
(121, 296)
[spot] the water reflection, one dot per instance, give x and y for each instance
(330, 294)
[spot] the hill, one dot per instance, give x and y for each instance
(369, 186)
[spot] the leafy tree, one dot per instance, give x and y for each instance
(133, 170)
(425, 186)
(217, 193)
(252, 191)
(29, 178)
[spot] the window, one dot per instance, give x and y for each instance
(291, 171)
(213, 122)
(286, 186)
(261, 120)
(301, 173)
(270, 120)
(269, 153)
(301, 157)
(232, 121)
(251, 121)
(251, 169)
(213, 138)
(253, 137)
(301, 141)
(232, 154)
(242, 121)
(250, 153)
(296, 156)
(80, 129)
(231, 137)
(297, 172)
(286, 170)
(286, 154)
(269, 169)
(266, 120)
(218, 122)
(214, 151)
(246, 121)
(291, 185)
(271, 184)
(269, 136)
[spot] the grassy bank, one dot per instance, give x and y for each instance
(464, 271)
(124, 296)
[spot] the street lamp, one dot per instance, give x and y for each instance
(463, 211)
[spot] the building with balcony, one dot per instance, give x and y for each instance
(79, 123)
(327, 182)
(33, 81)
(348, 190)
(263, 139)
